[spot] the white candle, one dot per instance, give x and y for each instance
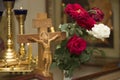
(29, 51)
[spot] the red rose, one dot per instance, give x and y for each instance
(75, 11)
(80, 15)
(86, 22)
(96, 14)
(76, 45)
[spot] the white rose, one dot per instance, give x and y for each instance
(100, 31)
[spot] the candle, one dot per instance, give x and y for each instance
(20, 11)
(1, 12)
(52, 29)
(29, 51)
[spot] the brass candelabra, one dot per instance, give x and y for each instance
(21, 16)
(9, 55)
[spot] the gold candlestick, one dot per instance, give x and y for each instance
(9, 54)
(29, 52)
(21, 16)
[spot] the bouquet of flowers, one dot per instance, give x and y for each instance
(73, 51)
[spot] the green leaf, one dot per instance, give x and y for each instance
(63, 27)
(84, 57)
(79, 32)
(63, 43)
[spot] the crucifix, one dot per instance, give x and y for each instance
(45, 35)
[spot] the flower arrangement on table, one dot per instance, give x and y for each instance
(73, 51)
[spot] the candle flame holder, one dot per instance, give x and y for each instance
(21, 16)
(9, 54)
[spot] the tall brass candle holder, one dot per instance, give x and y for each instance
(9, 55)
(21, 16)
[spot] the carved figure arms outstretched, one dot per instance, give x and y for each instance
(42, 41)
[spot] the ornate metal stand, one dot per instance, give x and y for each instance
(21, 16)
(9, 55)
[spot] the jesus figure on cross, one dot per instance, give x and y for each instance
(47, 56)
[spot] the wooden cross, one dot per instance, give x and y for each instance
(43, 24)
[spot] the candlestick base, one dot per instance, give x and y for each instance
(9, 55)
(15, 65)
